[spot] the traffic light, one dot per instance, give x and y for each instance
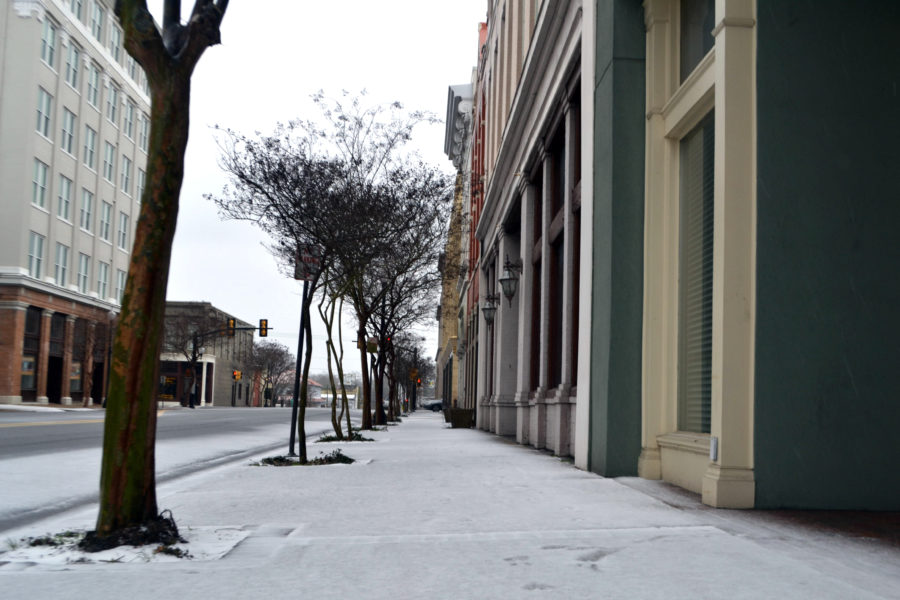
(419, 381)
(230, 328)
(236, 375)
(263, 327)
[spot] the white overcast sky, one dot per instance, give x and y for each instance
(274, 55)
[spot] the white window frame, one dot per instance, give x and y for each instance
(90, 148)
(49, 39)
(124, 232)
(143, 131)
(64, 198)
(121, 282)
(84, 273)
(115, 42)
(86, 214)
(44, 112)
(128, 119)
(102, 279)
(93, 85)
(35, 254)
(141, 183)
(61, 268)
(98, 16)
(112, 103)
(39, 184)
(105, 225)
(75, 7)
(126, 175)
(67, 136)
(73, 64)
(109, 162)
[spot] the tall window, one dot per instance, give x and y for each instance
(64, 204)
(131, 67)
(35, 254)
(698, 19)
(128, 119)
(73, 59)
(90, 147)
(105, 220)
(98, 16)
(141, 182)
(84, 273)
(93, 85)
(48, 42)
(126, 174)
(39, 184)
(121, 279)
(697, 154)
(61, 269)
(45, 103)
(112, 103)
(109, 162)
(115, 42)
(123, 231)
(86, 216)
(143, 131)
(75, 7)
(67, 138)
(102, 278)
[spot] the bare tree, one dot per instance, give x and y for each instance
(168, 56)
(347, 188)
(274, 363)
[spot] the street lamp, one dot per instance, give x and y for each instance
(489, 309)
(510, 280)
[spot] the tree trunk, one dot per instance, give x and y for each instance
(127, 478)
(366, 392)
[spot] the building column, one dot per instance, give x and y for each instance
(539, 406)
(12, 339)
(87, 364)
(44, 357)
(659, 327)
(523, 299)
(69, 337)
(729, 480)
(506, 331)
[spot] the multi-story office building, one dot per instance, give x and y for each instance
(74, 129)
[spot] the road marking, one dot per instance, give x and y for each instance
(39, 424)
(73, 422)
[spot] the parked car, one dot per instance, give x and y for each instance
(433, 404)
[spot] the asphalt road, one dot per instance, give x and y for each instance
(35, 433)
(49, 461)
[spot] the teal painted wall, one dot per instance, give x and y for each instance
(618, 233)
(827, 411)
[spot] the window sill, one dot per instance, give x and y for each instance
(683, 441)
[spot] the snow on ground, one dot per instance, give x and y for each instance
(432, 512)
(74, 480)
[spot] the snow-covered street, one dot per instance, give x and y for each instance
(432, 512)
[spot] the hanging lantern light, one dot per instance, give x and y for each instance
(509, 283)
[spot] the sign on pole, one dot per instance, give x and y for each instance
(306, 265)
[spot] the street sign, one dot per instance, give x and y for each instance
(413, 374)
(306, 265)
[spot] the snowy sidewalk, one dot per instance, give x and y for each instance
(431, 512)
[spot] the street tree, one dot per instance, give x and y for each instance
(274, 363)
(187, 333)
(168, 56)
(346, 186)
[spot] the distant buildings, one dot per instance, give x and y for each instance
(696, 201)
(74, 128)
(223, 374)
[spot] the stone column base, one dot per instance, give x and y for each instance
(725, 487)
(650, 463)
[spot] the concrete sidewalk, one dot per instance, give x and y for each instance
(432, 512)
